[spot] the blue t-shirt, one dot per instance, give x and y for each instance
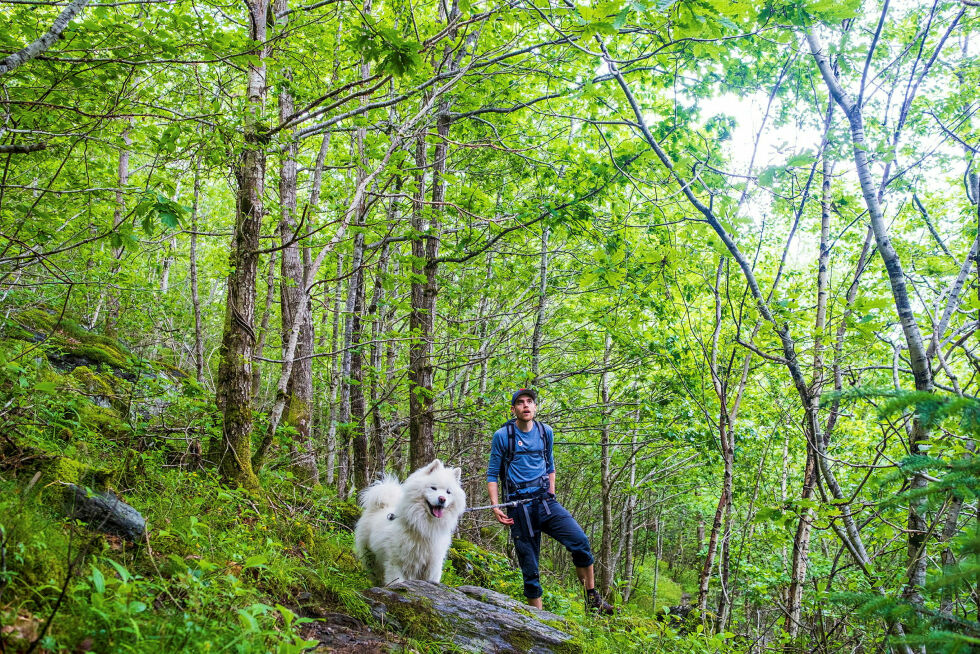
(523, 468)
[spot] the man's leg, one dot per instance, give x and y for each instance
(561, 526)
(528, 551)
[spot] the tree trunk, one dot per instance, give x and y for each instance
(918, 357)
(270, 293)
(801, 541)
(195, 295)
(605, 549)
(542, 307)
(118, 216)
(378, 326)
(334, 375)
(232, 451)
(294, 299)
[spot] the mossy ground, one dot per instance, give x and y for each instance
(221, 569)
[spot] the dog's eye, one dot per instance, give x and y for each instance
(448, 492)
(433, 487)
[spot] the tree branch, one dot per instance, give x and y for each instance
(44, 41)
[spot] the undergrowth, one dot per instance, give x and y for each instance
(219, 569)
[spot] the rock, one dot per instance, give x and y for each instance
(106, 513)
(474, 619)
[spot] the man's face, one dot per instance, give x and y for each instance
(524, 408)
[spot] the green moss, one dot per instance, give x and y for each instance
(346, 513)
(105, 422)
(37, 320)
(92, 382)
(417, 617)
(99, 354)
(74, 339)
(68, 470)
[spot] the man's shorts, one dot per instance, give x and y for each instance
(545, 515)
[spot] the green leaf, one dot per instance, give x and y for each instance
(123, 572)
(46, 387)
(98, 580)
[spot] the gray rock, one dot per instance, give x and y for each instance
(474, 619)
(106, 513)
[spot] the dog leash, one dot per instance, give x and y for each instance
(499, 506)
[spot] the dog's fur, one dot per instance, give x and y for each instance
(406, 529)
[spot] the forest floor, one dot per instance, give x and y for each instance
(219, 569)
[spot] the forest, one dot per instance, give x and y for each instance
(255, 254)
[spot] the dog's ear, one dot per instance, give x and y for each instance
(459, 474)
(432, 467)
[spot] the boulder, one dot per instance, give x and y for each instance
(474, 619)
(106, 513)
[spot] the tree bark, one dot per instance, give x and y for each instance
(605, 549)
(918, 356)
(45, 41)
(270, 293)
(232, 451)
(195, 294)
(542, 307)
(801, 540)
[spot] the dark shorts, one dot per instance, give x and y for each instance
(546, 516)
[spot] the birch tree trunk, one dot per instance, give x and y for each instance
(918, 357)
(801, 541)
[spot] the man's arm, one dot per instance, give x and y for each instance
(497, 512)
(551, 483)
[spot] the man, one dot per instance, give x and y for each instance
(530, 476)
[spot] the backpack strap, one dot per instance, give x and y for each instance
(548, 440)
(502, 477)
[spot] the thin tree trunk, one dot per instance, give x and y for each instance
(605, 549)
(918, 355)
(801, 541)
(195, 295)
(725, 496)
(270, 293)
(334, 375)
(294, 303)
(378, 326)
(542, 307)
(118, 216)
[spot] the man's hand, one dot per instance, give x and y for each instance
(502, 517)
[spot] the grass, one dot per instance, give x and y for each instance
(220, 569)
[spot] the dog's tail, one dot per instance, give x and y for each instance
(382, 495)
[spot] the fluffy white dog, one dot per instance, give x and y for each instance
(406, 529)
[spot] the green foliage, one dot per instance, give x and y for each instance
(393, 53)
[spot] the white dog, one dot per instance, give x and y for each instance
(406, 529)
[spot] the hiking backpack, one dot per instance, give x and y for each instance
(511, 451)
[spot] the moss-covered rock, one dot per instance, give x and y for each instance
(437, 612)
(104, 421)
(71, 345)
(67, 470)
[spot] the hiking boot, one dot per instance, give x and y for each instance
(594, 602)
